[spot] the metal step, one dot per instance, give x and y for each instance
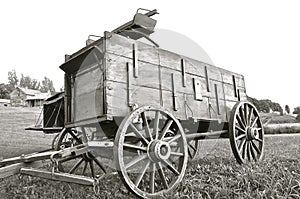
(64, 177)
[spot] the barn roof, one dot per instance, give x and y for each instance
(39, 96)
(28, 91)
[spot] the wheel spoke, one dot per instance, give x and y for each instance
(140, 176)
(174, 138)
(252, 151)
(166, 128)
(240, 129)
(156, 124)
(171, 167)
(97, 162)
(248, 151)
(191, 146)
(246, 113)
(255, 120)
(147, 129)
(75, 137)
(245, 150)
(241, 146)
(241, 123)
(131, 146)
(240, 137)
(256, 148)
(138, 134)
(162, 175)
(259, 140)
(84, 167)
(152, 178)
(76, 165)
(250, 115)
(190, 153)
(176, 153)
(241, 115)
(92, 168)
(136, 160)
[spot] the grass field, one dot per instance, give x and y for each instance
(214, 175)
(14, 139)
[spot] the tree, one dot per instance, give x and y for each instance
(25, 81)
(265, 105)
(296, 110)
(12, 78)
(47, 85)
(287, 109)
(5, 90)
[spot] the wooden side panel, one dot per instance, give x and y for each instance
(117, 95)
(187, 106)
(118, 45)
(88, 95)
(154, 84)
(117, 71)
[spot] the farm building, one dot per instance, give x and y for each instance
(4, 102)
(27, 97)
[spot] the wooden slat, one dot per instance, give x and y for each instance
(217, 99)
(135, 60)
(234, 86)
(129, 79)
(28, 158)
(183, 71)
(174, 93)
(207, 79)
(15, 168)
(65, 177)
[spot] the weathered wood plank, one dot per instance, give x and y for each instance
(65, 177)
(15, 168)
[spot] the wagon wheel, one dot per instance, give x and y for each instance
(193, 148)
(151, 154)
(246, 133)
(86, 164)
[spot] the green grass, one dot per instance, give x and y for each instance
(14, 139)
(214, 175)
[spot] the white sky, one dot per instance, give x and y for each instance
(259, 39)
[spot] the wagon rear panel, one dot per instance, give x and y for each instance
(84, 86)
(137, 73)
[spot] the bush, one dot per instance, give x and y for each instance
(298, 118)
(282, 128)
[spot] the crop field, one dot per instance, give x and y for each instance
(215, 174)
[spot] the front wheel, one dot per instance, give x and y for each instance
(151, 152)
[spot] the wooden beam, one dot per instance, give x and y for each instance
(195, 136)
(28, 158)
(65, 177)
(15, 168)
(174, 93)
(135, 60)
(183, 73)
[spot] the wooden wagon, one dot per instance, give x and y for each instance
(146, 108)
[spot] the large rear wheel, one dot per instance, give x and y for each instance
(246, 133)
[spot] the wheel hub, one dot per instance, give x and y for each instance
(158, 150)
(252, 133)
